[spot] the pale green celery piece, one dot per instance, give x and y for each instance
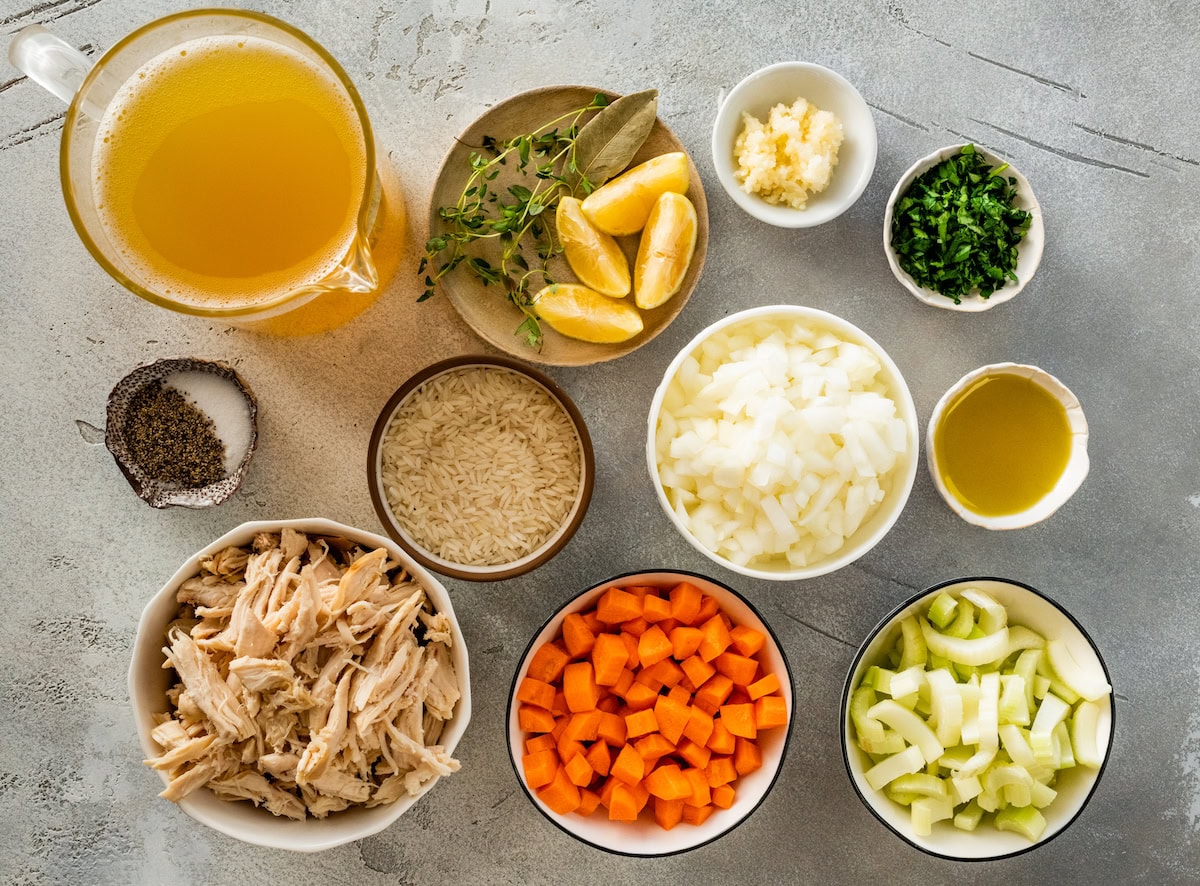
(1021, 638)
(920, 783)
(1063, 691)
(879, 679)
(970, 702)
(1052, 711)
(1012, 738)
(1026, 668)
(922, 705)
(941, 611)
(914, 643)
(886, 771)
(977, 632)
(971, 651)
(1041, 795)
(891, 743)
(1041, 685)
(978, 763)
(939, 662)
(989, 712)
(989, 802)
(1062, 747)
(1019, 794)
(896, 653)
(1013, 708)
(964, 790)
(963, 622)
(946, 706)
(914, 730)
(908, 681)
(992, 616)
(955, 757)
(928, 810)
(1085, 728)
(1085, 681)
(969, 818)
(901, 797)
(1026, 821)
(865, 727)
(964, 672)
(907, 701)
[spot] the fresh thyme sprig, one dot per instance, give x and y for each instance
(511, 216)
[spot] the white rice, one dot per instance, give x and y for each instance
(480, 465)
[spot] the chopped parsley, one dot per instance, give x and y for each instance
(956, 231)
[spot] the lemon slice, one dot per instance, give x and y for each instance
(665, 252)
(622, 205)
(578, 312)
(593, 255)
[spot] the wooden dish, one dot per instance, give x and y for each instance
(484, 308)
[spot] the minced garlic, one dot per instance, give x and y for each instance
(789, 157)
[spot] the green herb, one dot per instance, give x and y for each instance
(504, 235)
(956, 231)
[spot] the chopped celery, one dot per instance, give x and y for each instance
(1086, 682)
(1041, 795)
(1062, 747)
(908, 682)
(886, 771)
(1041, 685)
(1013, 706)
(1026, 668)
(941, 611)
(955, 757)
(914, 644)
(975, 652)
(978, 762)
(989, 712)
(939, 662)
(1012, 738)
(866, 727)
(992, 616)
(1052, 711)
(1085, 729)
(963, 790)
(1021, 638)
(970, 701)
(969, 818)
(928, 810)
(946, 707)
(964, 621)
(1012, 781)
(1026, 821)
(879, 679)
(920, 783)
(891, 743)
(904, 798)
(915, 730)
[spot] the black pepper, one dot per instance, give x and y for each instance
(172, 441)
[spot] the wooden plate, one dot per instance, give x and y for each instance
(484, 308)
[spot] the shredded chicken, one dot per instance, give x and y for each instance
(312, 676)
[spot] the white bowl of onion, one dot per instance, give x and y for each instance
(782, 442)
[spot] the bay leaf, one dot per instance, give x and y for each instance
(608, 142)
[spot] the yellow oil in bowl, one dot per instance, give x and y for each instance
(1002, 444)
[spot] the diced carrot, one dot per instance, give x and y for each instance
(599, 757)
(641, 796)
(532, 719)
(609, 656)
(693, 754)
(538, 693)
(612, 729)
(722, 796)
(672, 716)
(668, 813)
(561, 794)
(631, 649)
(608, 703)
(722, 740)
(623, 683)
(699, 726)
(739, 695)
(606, 790)
(770, 711)
(681, 695)
(697, 814)
(659, 674)
(640, 696)
(715, 638)
(629, 766)
(569, 749)
(580, 771)
(593, 624)
(765, 686)
(560, 726)
(685, 640)
(635, 627)
(543, 742)
(747, 757)
(713, 693)
(697, 670)
(655, 608)
(588, 801)
(653, 747)
(668, 782)
(700, 793)
(739, 720)
(720, 770)
(641, 722)
(539, 768)
(622, 805)
(708, 608)
(738, 668)
(583, 726)
(616, 606)
(548, 662)
(668, 624)
(685, 602)
(746, 640)
(577, 637)
(579, 687)
(653, 646)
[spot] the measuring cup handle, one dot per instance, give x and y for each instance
(53, 64)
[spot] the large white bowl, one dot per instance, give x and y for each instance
(149, 682)
(1026, 606)
(1029, 250)
(784, 83)
(644, 838)
(872, 529)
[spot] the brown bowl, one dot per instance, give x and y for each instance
(413, 546)
(484, 308)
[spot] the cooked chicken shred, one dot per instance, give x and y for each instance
(312, 676)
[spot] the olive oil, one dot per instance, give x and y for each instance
(1002, 444)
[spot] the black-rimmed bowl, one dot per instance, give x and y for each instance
(644, 838)
(414, 546)
(1026, 606)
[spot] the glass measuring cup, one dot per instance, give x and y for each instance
(241, 183)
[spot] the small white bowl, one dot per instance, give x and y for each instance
(784, 83)
(1072, 476)
(874, 528)
(149, 682)
(1029, 251)
(644, 838)
(1033, 609)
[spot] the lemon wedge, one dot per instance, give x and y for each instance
(593, 255)
(665, 252)
(581, 313)
(623, 205)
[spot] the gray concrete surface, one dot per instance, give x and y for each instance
(1095, 103)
